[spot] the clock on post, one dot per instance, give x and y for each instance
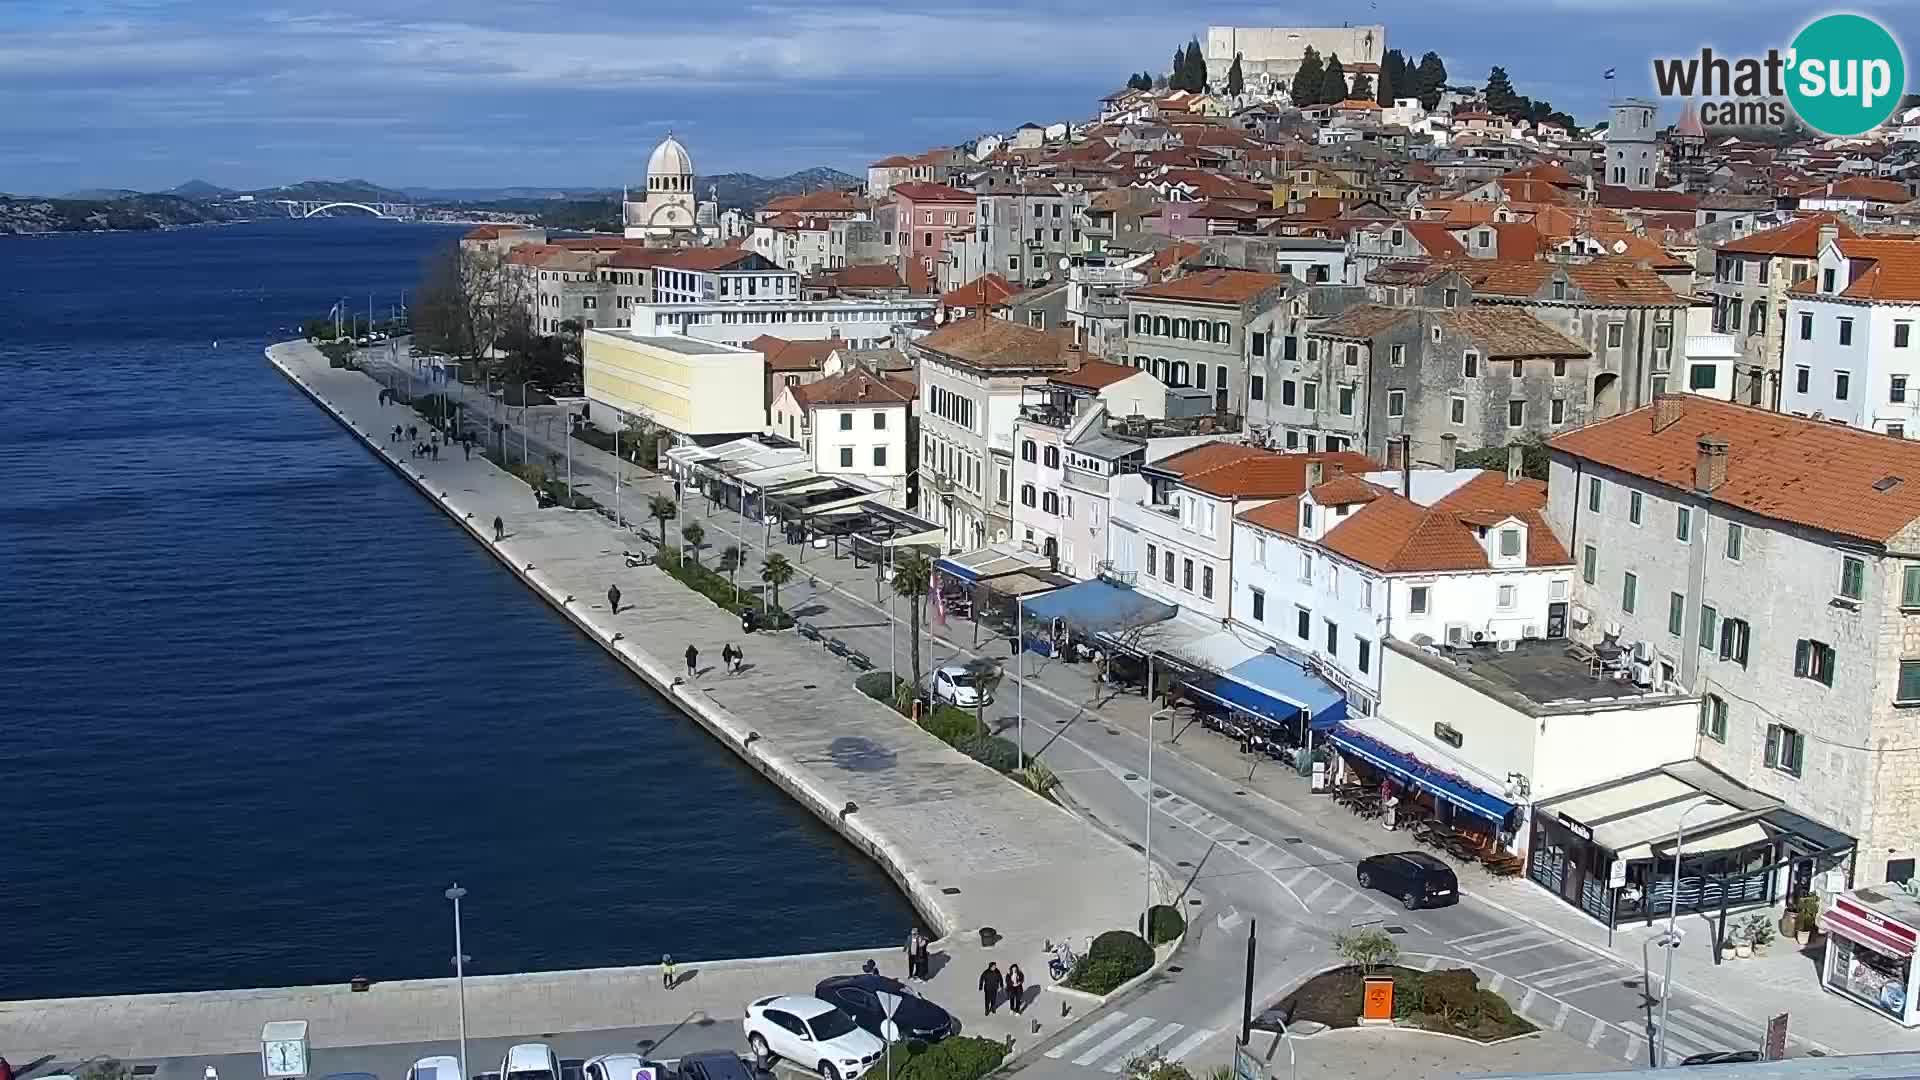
(283, 1050)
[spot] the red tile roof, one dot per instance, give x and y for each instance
(991, 344)
(1096, 375)
(865, 276)
(1884, 270)
(1253, 473)
(1434, 237)
(816, 202)
(1799, 238)
(986, 291)
(1865, 188)
(1215, 286)
(1396, 535)
(855, 387)
(1625, 198)
(791, 356)
(1808, 472)
(920, 191)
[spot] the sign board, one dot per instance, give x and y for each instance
(1245, 1065)
(1617, 874)
(1320, 786)
(1377, 1005)
(889, 1003)
(1776, 1048)
(1584, 832)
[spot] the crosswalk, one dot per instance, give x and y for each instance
(1319, 881)
(1115, 1038)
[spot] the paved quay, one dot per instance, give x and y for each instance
(968, 847)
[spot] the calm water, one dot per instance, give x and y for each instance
(259, 703)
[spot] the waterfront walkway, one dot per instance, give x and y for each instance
(971, 848)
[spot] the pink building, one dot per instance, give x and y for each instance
(926, 214)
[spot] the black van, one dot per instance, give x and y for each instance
(1417, 878)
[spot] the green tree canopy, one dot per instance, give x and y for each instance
(1393, 76)
(1362, 87)
(1236, 81)
(1177, 77)
(1196, 67)
(1333, 84)
(1429, 79)
(1306, 81)
(1501, 100)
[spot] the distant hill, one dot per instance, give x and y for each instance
(750, 191)
(469, 195)
(334, 191)
(135, 212)
(98, 194)
(199, 189)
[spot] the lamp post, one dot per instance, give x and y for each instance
(460, 974)
(1152, 719)
(1672, 939)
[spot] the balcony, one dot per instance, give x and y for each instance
(1099, 308)
(1053, 416)
(1091, 483)
(1104, 275)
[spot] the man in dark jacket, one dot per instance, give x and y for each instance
(990, 983)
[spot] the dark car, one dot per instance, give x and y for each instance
(1723, 1057)
(916, 1018)
(714, 1065)
(1417, 878)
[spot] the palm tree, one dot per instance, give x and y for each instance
(776, 571)
(662, 509)
(730, 559)
(912, 577)
(693, 533)
(986, 679)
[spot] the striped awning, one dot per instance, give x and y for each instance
(1855, 923)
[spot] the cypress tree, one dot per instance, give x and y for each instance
(1196, 67)
(1430, 79)
(1362, 87)
(1236, 81)
(1501, 99)
(1393, 76)
(1306, 81)
(1176, 80)
(1333, 85)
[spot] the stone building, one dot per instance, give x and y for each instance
(1192, 331)
(1271, 55)
(1764, 562)
(1751, 276)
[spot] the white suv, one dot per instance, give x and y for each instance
(812, 1034)
(530, 1061)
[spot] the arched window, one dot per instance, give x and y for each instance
(1051, 457)
(1028, 449)
(1179, 329)
(1162, 326)
(1757, 318)
(1026, 495)
(1223, 333)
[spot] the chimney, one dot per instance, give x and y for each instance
(1829, 232)
(1514, 457)
(1451, 447)
(1315, 472)
(1666, 412)
(1406, 465)
(1710, 468)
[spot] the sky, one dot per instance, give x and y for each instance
(468, 93)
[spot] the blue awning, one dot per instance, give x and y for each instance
(1095, 606)
(1274, 685)
(1412, 770)
(963, 572)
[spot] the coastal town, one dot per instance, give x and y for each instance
(1315, 562)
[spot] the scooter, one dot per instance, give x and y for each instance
(1060, 960)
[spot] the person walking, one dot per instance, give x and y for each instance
(693, 660)
(499, 529)
(1016, 988)
(666, 972)
(726, 657)
(990, 983)
(913, 954)
(467, 445)
(739, 658)
(920, 954)
(613, 599)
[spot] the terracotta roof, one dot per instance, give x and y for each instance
(1096, 375)
(897, 161)
(1808, 472)
(789, 356)
(1280, 515)
(1171, 256)
(636, 258)
(707, 259)
(855, 387)
(1214, 186)
(1435, 238)
(1611, 282)
(1345, 490)
(1490, 490)
(1358, 103)
(1220, 211)
(921, 191)
(1258, 474)
(985, 291)
(982, 341)
(1883, 270)
(1866, 188)
(865, 276)
(1625, 198)
(816, 202)
(492, 232)
(1799, 238)
(1216, 286)
(1395, 535)
(1550, 172)
(1507, 333)
(1362, 322)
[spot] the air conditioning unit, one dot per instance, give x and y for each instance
(1612, 629)
(1579, 615)
(1643, 652)
(1643, 675)
(1530, 631)
(1000, 536)
(1508, 644)
(1481, 637)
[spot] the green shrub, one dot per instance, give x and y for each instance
(1039, 779)
(963, 1057)
(1492, 1007)
(950, 725)
(1164, 923)
(1114, 957)
(992, 751)
(874, 685)
(1409, 997)
(1367, 948)
(1153, 1065)
(1454, 994)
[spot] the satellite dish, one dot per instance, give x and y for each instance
(1065, 262)
(940, 316)
(1619, 247)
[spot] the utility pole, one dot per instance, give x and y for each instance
(460, 974)
(1246, 1000)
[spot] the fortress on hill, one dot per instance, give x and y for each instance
(1270, 55)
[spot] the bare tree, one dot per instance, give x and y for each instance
(467, 300)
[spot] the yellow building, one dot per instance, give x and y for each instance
(688, 386)
(1313, 180)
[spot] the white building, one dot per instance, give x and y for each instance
(1632, 147)
(863, 324)
(705, 275)
(1851, 356)
(670, 208)
(854, 424)
(689, 387)
(1467, 560)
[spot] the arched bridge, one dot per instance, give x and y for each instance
(315, 208)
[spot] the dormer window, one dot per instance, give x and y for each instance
(1559, 289)
(1509, 543)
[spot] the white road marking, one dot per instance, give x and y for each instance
(1678, 1030)
(1131, 1031)
(1086, 1033)
(1594, 1037)
(1607, 980)
(1308, 899)
(1158, 1038)
(1533, 976)
(1560, 1018)
(1462, 941)
(1346, 898)
(1585, 971)
(1189, 1044)
(1517, 949)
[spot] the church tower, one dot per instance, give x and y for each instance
(669, 209)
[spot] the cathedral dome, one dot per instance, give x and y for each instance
(669, 159)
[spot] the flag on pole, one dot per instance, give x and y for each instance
(1608, 74)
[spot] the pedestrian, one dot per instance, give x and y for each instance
(1016, 988)
(499, 529)
(738, 658)
(613, 598)
(868, 967)
(693, 660)
(921, 955)
(666, 972)
(990, 983)
(467, 445)
(913, 954)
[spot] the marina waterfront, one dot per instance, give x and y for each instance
(268, 702)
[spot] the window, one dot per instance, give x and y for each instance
(1353, 355)
(1186, 574)
(1346, 400)
(1029, 450)
(1364, 651)
(1826, 280)
(1257, 387)
(1470, 365)
(1629, 589)
(1589, 563)
(1593, 494)
(1841, 383)
(1713, 718)
(1813, 660)
(1167, 567)
(1616, 333)
(1509, 543)
(1286, 391)
(1736, 538)
(1333, 638)
(1257, 344)
(1451, 298)
(1516, 414)
(1735, 635)
(1853, 576)
(1902, 333)
(1259, 605)
(1309, 395)
(1303, 623)
(1676, 613)
(1206, 582)
(1396, 403)
(1518, 370)
(1910, 586)
(1702, 377)
(1506, 597)
(1028, 495)
(1908, 692)
(1223, 333)
(846, 421)
(1682, 524)
(1397, 356)
(1846, 331)
(1897, 388)
(1050, 457)
(846, 457)
(1306, 565)
(1259, 550)
(1806, 326)
(1785, 746)
(1457, 409)
(1153, 558)
(1633, 507)
(1709, 618)
(1557, 411)
(1802, 377)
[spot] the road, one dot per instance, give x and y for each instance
(1240, 854)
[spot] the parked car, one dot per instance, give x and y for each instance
(916, 1018)
(1723, 1057)
(714, 1065)
(622, 1067)
(955, 685)
(443, 1067)
(1417, 878)
(810, 1033)
(530, 1061)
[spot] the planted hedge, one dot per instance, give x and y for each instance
(1114, 957)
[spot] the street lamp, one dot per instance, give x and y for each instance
(1672, 939)
(1152, 719)
(460, 974)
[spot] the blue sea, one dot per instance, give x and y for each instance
(260, 704)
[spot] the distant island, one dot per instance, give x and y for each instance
(199, 202)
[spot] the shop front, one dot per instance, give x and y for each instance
(1871, 938)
